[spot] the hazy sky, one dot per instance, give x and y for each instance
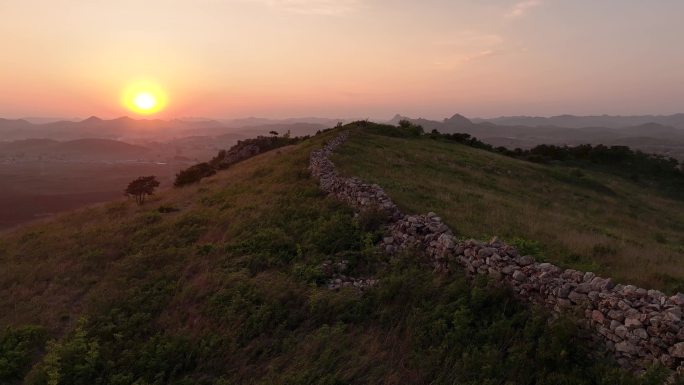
(343, 58)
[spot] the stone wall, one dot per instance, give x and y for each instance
(641, 327)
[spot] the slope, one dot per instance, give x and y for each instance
(222, 283)
(574, 217)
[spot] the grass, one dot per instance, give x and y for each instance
(219, 283)
(576, 218)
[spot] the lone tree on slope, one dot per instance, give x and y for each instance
(141, 187)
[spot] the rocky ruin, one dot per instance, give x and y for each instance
(641, 327)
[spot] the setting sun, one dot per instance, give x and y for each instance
(144, 98)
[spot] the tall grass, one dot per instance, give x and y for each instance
(581, 218)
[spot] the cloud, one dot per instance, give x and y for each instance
(522, 7)
(314, 7)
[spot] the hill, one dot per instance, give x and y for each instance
(573, 216)
(226, 282)
(662, 136)
(574, 121)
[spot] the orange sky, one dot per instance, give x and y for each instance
(343, 58)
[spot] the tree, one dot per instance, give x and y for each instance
(274, 133)
(141, 187)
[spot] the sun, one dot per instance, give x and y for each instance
(144, 98)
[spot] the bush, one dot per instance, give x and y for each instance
(17, 349)
(193, 174)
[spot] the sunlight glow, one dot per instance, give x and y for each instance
(144, 98)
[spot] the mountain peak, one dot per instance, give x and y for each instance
(458, 119)
(92, 119)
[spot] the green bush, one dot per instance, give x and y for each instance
(193, 174)
(18, 348)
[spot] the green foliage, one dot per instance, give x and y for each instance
(18, 348)
(193, 174)
(141, 187)
(527, 246)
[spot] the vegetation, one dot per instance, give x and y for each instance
(224, 158)
(194, 174)
(581, 212)
(142, 187)
(226, 288)
(664, 173)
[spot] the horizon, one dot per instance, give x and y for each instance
(47, 120)
(370, 58)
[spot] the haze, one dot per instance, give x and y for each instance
(354, 58)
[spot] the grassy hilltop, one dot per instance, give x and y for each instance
(573, 216)
(220, 282)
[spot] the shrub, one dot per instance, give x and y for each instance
(17, 348)
(193, 174)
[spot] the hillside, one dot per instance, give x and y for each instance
(226, 282)
(571, 216)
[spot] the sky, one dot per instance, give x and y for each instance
(343, 58)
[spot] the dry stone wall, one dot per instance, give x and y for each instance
(641, 327)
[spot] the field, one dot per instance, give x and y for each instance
(576, 218)
(38, 189)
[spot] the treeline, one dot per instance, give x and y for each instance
(244, 149)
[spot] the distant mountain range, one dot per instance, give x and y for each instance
(573, 121)
(129, 129)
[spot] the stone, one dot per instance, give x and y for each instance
(583, 288)
(633, 323)
(616, 315)
(625, 347)
(677, 299)
(677, 350)
(621, 331)
(525, 260)
(519, 276)
(564, 290)
(576, 297)
(597, 316)
(641, 333)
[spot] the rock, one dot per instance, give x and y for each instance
(616, 315)
(519, 276)
(641, 333)
(564, 290)
(486, 252)
(625, 347)
(388, 240)
(583, 288)
(677, 299)
(576, 297)
(677, 350)
(597, 316)
(525, 260)
(633, 323)
(621, 331)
